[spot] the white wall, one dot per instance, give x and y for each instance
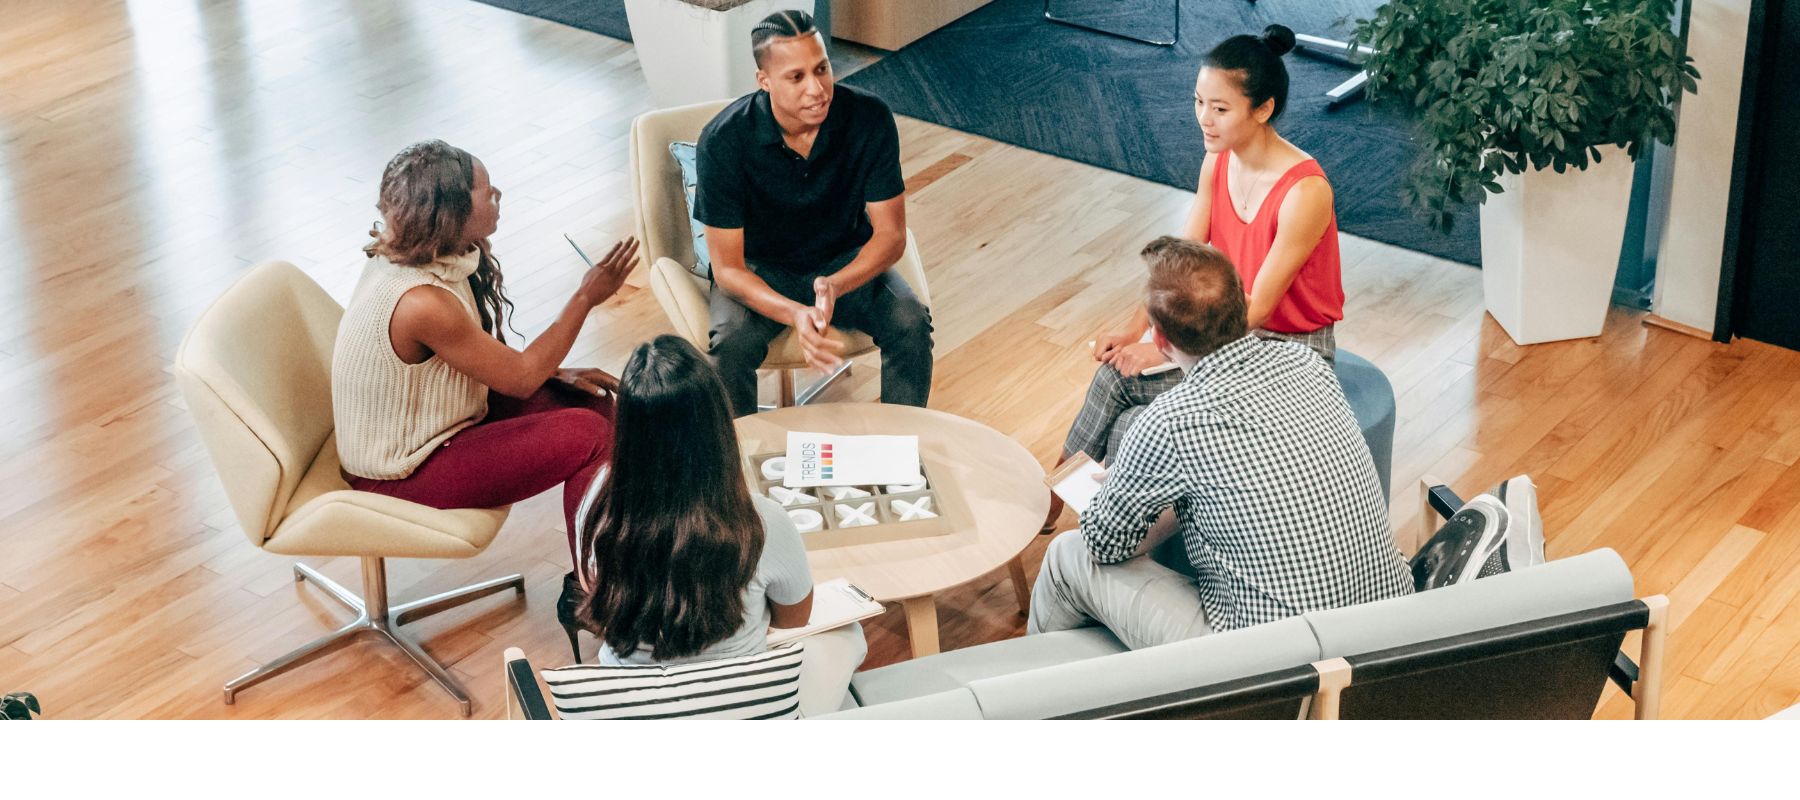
(1693, 243)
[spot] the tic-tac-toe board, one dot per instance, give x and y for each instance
(834, 516)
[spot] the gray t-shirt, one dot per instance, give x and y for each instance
(782, 575)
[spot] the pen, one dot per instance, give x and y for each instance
(860, 593)
(579, 251)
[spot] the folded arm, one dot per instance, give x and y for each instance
(1141, 484)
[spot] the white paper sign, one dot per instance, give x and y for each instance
(824, 459)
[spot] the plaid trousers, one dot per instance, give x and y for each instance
(1114, 400)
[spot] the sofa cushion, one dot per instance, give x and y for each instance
(958, 703)
(684, 153)
(957, 668)
(1097, 682)
(1577, 583)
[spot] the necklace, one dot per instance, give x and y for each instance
(1244, 201)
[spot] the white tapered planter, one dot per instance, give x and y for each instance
(1550, 248)
(692, 53)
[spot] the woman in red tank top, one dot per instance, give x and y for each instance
(1261, 201)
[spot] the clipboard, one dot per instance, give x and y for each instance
(1074, 481)
(836, 603)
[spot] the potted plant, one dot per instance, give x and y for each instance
(1532, 108)
(693, 51)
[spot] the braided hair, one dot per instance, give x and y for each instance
(779, 25)
(425, 201)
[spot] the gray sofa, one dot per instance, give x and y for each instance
(1068, 672)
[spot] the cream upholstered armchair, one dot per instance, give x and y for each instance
(256, 373)
(668, 246)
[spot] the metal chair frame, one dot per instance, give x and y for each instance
(1174, 36)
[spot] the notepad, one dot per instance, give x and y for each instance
(836, 603)
(1076, 481)
(826, 459)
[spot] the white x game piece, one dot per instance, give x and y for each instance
(790, 497)
(845, 492)
(849, 516)
(908, 510)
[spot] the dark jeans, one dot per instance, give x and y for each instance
(885, 308)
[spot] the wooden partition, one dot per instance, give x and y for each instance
(893, 24)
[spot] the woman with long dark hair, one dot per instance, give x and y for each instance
(430, 403)
(1262, 202)
(681, 562)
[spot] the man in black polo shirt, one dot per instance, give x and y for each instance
(805, 213)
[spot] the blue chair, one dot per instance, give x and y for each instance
(1371, 397)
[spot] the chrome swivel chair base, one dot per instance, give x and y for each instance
(1344, 53)
(373, 615)
(789, 397)
(1167, 40)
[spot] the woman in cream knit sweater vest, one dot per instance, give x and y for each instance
(431, 405)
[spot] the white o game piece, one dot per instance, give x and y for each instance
(914, 509)
(849, 516)
(806, 519)
(845, 492)
(903, 488)
(774, 468)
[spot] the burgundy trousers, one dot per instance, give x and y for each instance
(523, 448)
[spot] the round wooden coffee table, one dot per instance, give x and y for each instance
(997, 483)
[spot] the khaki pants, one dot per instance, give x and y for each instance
(1142, 602)
(831, 658)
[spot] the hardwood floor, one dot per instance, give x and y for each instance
(151, 151)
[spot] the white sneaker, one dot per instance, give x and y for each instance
(1466, 547)
(1525, 531)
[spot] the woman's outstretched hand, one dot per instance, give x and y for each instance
(603, 280)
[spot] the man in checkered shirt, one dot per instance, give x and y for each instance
(1254, 459)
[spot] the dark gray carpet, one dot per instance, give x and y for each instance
(1006, 73)
(605, 17)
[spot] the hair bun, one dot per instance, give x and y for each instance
(1279, 39)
